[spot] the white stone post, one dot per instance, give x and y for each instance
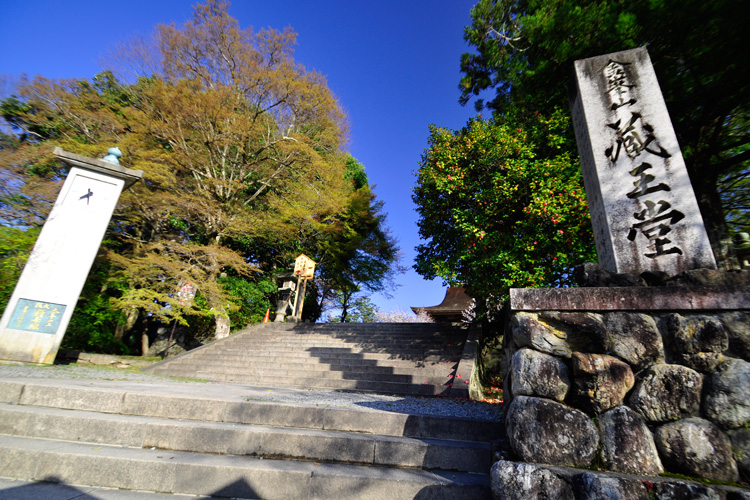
(643, 209)
(38, 313)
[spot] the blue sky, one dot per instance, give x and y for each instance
(394, 65)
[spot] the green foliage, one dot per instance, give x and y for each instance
(501, 205)
(7, 141)
(358, 256)
(359, 310)
(355, 171)
(15, 247)
(93, 325)
(94, 322)
(112, 91)
(362, 254)
(251, 297)
(734, 183)
(13, 110)
(156, 274)
(524, 51)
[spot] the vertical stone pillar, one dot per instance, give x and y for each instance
(42, 303)
(643, 208)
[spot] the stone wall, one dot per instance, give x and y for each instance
(638, 392)
(523, 481)
(630, 391)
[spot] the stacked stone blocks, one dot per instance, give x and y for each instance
(631, 392)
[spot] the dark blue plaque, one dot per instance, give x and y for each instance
(36, 316)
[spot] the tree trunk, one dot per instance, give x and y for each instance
(714, 220)
(345, 301)
(130, 320)
(171, 338)
(144, 343)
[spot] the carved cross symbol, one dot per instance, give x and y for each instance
(87, 196)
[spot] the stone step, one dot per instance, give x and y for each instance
(373, 367)
(346, 355)
(409, 327)
(167, 471)
(281, 357)
(426, 388)
(343, 354)
(353, 338)
(233, 404)
(243, 439)
(267, 376)
(308, 330)
(350, 337)
(382, 368)
(334, 380)
(250, 341)
(274, 352)
(420, 352)
(354, 364)
(416, 377)
(371, 330)
(320, 349)
(362, 335)
(45, 490)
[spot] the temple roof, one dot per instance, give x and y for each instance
(455, 302)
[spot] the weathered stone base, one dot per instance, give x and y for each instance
(523, 481)
(89, 359)
(636, 380)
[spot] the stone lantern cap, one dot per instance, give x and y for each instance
(102, 166)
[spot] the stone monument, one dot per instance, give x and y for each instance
(629, 375)
(643, 209)
(42, 303)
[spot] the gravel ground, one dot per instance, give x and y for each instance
(443, 407)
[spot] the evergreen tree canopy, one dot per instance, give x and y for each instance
(524, 50)
(501, 204)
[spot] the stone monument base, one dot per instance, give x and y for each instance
(632, 379)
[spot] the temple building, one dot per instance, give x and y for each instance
(449, 310)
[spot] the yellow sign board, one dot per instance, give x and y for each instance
(304, 266)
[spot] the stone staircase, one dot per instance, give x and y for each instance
(211, 439)
(388, 358)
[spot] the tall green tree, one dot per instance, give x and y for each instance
(359, 256)
(524, 51)
(501, 204)
(358, 310)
